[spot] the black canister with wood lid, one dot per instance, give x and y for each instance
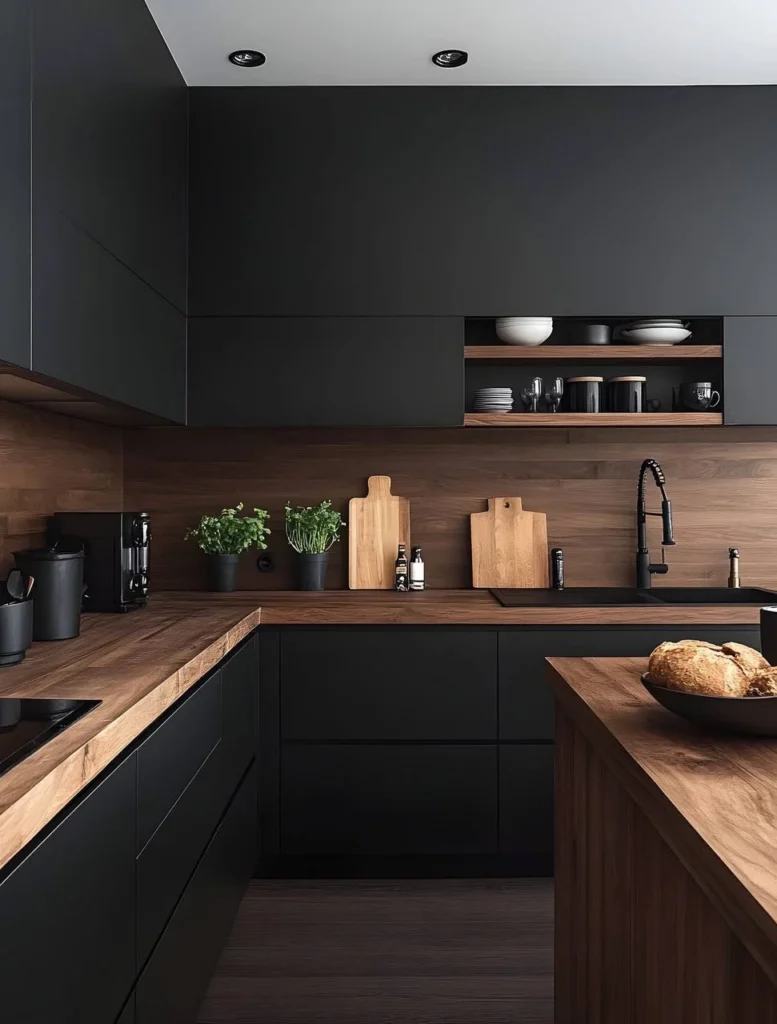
(627, 394)
(584, 394)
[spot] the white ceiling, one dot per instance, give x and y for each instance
(510, 42)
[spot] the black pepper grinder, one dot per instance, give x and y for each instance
(557, 565)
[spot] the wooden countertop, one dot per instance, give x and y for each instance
(712, 798)
(458, 607)
(137, 664)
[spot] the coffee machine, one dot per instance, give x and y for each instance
(116, 556)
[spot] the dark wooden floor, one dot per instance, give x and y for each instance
(410, 952)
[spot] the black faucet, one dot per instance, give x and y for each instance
(646, 568)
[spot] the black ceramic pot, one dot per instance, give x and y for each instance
(222, 573)
(312, 571)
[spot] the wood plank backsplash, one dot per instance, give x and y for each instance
(722, 482)
(48, 463)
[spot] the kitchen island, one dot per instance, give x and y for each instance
(666, 889)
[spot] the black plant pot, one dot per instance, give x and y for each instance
(312, 571)
(222, 572)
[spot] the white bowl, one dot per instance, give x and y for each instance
(524, 333)
(657, 335)
(525, 320)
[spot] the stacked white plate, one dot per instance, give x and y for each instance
(493, 400)
(656, 331)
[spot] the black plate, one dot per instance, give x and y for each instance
(740, 716)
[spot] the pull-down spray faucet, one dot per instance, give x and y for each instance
(646, 568)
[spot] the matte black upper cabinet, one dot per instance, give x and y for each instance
(750, 369)
(15, 182)
(357, 371)
(483, 201)
(109, 186)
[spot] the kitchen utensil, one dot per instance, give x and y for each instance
(30, 585)
(509, 546)
(377, 525)
(750, 716)
(554, 394)
(627, 394)
(15, 631)
(531, 394)
(527, 331)
(59, 581)
(697, 396)
(596, 334)
(15, 585)
(584, 394)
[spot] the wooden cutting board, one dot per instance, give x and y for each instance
(377, 525)
(509, 546)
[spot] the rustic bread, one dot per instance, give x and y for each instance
(748, 658)
(698, 667)
(763, 683)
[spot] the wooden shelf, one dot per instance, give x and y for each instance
(593, 353)
(593, 419)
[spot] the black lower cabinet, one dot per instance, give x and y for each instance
(176, 977)
(526, 805)
(381, 800)
(128, 1013)
(67, 913)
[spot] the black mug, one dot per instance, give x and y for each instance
(697, 396)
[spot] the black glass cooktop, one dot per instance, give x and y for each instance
(25, 725)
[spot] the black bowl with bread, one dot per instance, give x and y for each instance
(728, 687)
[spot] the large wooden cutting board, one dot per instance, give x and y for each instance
(509, 546)
(377, 525)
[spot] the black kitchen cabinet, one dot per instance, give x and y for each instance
(526, 710)
(460, 201)
(15, 182)
(749, 369)
(395, 684)
(67, 912)
(346, 371)
(177, 975)
(128, 1014)
(398, 800)
(109, 136)
(98, 326)
(526, 803)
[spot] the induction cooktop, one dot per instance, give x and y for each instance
(25, 725)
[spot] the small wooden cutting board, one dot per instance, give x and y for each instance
(377, 525)
(509, 546)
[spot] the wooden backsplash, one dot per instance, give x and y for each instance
(722, 482)
(48, 463)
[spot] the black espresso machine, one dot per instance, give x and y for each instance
(116, 556)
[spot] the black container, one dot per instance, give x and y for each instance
(584, 394)
(15, 631)
(596, 334)
(769, 634)
(737, 716)
(312, 571)
(627, 394)
(59, 590)
(222, 573)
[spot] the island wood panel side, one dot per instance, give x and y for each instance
(637, 940)
(584, 481)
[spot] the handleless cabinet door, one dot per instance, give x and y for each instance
(750, 369)
(15, 182)
(526, 801)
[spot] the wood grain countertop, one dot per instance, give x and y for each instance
(712, 798)
(457, 608)
(137, 664)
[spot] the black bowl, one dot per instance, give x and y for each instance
(740, 716)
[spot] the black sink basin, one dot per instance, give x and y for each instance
(714, 595)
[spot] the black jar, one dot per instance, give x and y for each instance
(584, 394)
(627, 394)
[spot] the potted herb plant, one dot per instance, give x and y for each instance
(312, 531)
(224, 537)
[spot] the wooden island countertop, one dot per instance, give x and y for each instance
(666, 858)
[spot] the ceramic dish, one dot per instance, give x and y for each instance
(740, 716)
(656, 335)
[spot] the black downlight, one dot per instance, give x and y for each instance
(450, 58)
(247, 58)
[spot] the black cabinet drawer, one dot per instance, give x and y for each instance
(174, 751)
(526, 801)
(392, 684)
(525, 699)
(174, 981)
(239, 697)
(387, 800)
(67, 913)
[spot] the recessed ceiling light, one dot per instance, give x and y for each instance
(450, 58)
(247, 58)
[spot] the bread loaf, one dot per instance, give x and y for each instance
(696, 666)
(763, 683)
(748, 658)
